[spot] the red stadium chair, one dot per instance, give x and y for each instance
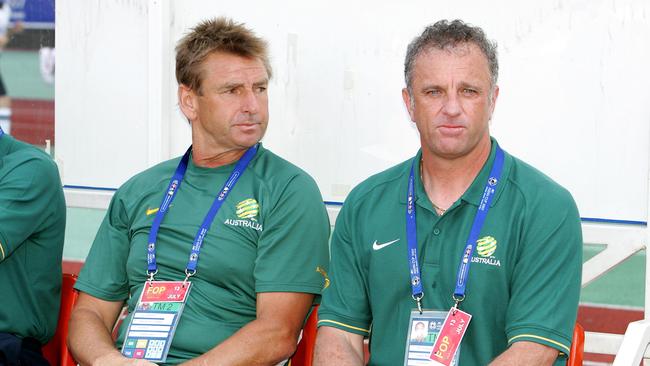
(56, 350)
(305, 351)
(577, 346)
(118, 323)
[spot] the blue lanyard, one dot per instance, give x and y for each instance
(1, 132)
(172, 189)
(479, 220)
(412, 241)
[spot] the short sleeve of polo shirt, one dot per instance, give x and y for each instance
(345, 302)
(27, 188)
(292, 253)
(548, 271)
(104, 273)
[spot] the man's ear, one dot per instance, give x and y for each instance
(408, 102)
(187, 102)
(493, 101)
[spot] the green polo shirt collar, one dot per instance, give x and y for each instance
(473, 194)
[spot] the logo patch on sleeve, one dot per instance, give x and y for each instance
(326, 278)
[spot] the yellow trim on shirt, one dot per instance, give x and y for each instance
(542, 338)
(2, 250)
(343, 324)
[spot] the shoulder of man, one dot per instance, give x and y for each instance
(275, 170)
(32, 161)
(538, 188)
(391, 179)
(150, 177)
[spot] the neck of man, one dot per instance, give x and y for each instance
(214, 156)
(445, 180)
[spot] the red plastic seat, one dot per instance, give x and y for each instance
(57, 353)
(56, 350)
(305, 351)
(577, 346)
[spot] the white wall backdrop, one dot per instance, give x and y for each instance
(574, 79)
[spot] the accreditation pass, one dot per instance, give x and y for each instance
(154, 320)
(424, 331)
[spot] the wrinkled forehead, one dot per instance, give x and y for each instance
(220, 66)
(463, 49)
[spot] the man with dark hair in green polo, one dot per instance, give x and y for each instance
(218, 254)
(461, 229)
(32, 229)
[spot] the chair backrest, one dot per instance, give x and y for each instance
(56, 350)
(305, 351)
(577, 346)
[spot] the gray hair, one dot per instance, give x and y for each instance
(446, 35)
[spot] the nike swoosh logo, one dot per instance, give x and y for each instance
(377, 246)
(151, 211)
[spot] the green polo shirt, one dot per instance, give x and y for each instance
(270, 235)
(32, 228)
(524, 279)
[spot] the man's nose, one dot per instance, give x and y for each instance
(451, 106)
(250, 102)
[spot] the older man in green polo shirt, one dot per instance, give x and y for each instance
(410, 243)
(218, 254)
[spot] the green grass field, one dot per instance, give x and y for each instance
(22, 77)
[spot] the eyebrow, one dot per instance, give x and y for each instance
(470, 85)
(430, 87)
(229, 86)
(261, 83)
(460, 85)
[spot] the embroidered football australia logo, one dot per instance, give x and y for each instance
(247, 212)
(485, 248)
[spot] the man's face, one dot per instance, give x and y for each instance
(450, 101)
(231, 110)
